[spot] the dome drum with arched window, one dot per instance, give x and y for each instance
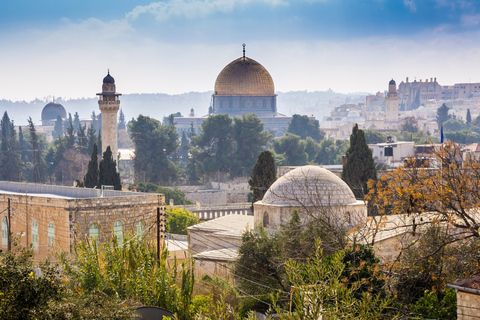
(313, 191)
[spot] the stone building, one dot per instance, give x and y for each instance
(51, 218)
(109, 103)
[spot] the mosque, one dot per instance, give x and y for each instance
(243, 86)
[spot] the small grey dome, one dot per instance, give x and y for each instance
(52, 110)
(392, 82)
(309, 186)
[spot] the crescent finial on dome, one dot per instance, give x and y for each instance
(244, 45)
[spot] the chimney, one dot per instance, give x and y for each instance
(407, 79)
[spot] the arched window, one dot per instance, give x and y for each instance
(118, 231)
(94, 231)
(265, 219)
(4, 231)
(51, 234)
(35, 235)
(140, 228)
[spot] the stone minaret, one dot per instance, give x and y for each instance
(109, 103)
(391, 107)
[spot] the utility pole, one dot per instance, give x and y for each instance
(160, 232)
(9, 231)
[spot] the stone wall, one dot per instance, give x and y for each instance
(468, 305)
(71, 218)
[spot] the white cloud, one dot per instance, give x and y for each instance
(410, 4)
(470, 20)
(192, 8)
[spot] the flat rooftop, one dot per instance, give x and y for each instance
(59, 192)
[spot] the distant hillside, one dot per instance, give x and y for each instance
(158, 105)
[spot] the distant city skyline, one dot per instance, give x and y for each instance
(64, 48)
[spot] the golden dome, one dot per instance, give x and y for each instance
(244, 77)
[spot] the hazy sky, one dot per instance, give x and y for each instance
(64, 48)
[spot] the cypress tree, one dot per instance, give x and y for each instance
(91, 178)
(108, 174)
(469, 117)
(58, 128)
(263, 176)
(359, 166)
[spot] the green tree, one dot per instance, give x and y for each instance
(409, 124)
(39, 166)
(292, 148)
(320, 290)
(263, 176)
(312, 148)
(183, 149)
(108, 174)
(250, 140)
(121, 121)
(468, 119)
(54, 158)
(154, 144)
(453, 125)
(70, 134)
(91, 138)
(304, 127)
(76, 121)
(82, 138)
(442, 115)
(331, 152)
(179, 219)
(11, 162)
(373, 137)
(91, 179)
(58, 128)
(359, 166)
(214, 144)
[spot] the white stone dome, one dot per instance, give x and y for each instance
(309, 186)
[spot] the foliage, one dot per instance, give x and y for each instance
(58, 128)
(154, 144)
(442, 115)
(454, 125)
(359, 167)
(292, 148)
(433, 259)
(320, 291)
(176, 194)
(214, 145)
(409, 124)
(448, 195)
(373, 136)
(260, 259)
(91, 177)
(28, 292)
(331, 152)
(304, 127)
(179, 219)
(11, 162)
(249, 139)
(39, 166)
(420, 137)
(465, 136)
(107, 173)
(131, 271)
(439, 305)
(363, 271)
(263, 176)
(121, 121)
